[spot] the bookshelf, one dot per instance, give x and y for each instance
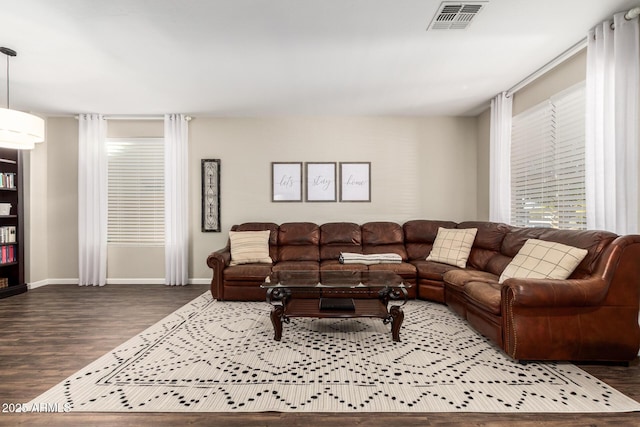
(11, 224)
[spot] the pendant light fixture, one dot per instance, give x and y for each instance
(18, 130)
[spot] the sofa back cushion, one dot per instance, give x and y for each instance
(383, 237)
(592, 240)
(487, 244)
(259, 226)
(337, 237)
(299, 241)
(419, 236)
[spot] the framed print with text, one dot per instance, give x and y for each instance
(355, 182)
(286, 181)
(321, 182)
(211, 195)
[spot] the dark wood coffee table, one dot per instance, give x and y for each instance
(336, 294)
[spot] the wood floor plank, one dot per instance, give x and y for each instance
(51, 332)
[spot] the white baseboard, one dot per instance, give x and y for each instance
(63, 281)
(156, 281)
(37, 284)
(41, 283)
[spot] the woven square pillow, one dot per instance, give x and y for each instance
(539, 259)
(249, 247)
(453, 246)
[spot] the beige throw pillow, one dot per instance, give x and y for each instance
(539, 259)
(453, 246)
(249, 247)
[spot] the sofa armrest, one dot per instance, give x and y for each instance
(617, 270)
(217, 261)
(221, 257)
(554, 293)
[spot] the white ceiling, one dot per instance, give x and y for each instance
(277, 57)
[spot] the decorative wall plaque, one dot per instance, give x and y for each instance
(286, 181)
(211, 195)
(321, 182)
(355, 182)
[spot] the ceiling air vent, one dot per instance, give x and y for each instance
(453, 15)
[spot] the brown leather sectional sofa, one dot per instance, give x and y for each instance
(591, 316)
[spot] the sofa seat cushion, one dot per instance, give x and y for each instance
(247, 272)
(458, 278)
(484, 295)
(432, 270)
(404, 269)
(334, 264)
(297, 266)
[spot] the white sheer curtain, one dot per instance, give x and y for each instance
(176, 251)
(500, 159)
(612, 139)
(92, 200)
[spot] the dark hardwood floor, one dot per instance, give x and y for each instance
(51, 332)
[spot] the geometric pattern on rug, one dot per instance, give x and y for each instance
(211, 356)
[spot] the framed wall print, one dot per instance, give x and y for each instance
(211, 195)
(286, 181)
(321, 182)
(355, 182)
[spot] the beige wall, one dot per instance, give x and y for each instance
(482, 185)
(35, 208)
(421, 168)
(62, 197)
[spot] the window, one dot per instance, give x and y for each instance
(136, 191)
(547, 163)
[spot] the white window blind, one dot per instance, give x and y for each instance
(136, 191)
(547, 163)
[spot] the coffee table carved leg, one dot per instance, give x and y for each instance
(276, 319)
(397, 316)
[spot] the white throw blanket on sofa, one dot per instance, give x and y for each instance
(369, 259)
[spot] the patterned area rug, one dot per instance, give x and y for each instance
(211, 356)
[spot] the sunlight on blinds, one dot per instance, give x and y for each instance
(547, 163)
(136, 191)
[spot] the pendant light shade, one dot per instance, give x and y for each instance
(18, 130)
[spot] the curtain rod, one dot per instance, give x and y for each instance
(548, 66)
(126, 117)
(142, 117)
(631, 14)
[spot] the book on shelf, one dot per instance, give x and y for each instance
(8, 180)
(7, 254)
(8, 234)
